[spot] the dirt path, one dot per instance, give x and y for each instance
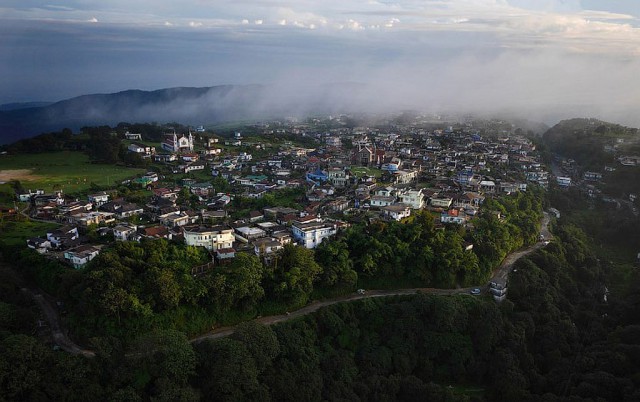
(53, 318)
(17, 174)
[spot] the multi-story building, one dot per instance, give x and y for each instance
(99, 198)
(413, 198)
(211, 238)
(378, 201)
(338, 177)
(404, 176)
(81, 255)
(311, 234)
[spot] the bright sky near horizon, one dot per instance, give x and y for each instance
(538, 54)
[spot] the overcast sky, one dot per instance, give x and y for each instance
(549, 57)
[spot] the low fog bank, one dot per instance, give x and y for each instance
(540, 86)
(545, 87)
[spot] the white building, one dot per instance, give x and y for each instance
(379, 201)
(141, 149)
(266, 247)
(563, 181)
(80, 256)
(124, 232)
(396, 211)
(338, 177)
(311, 234)
(453, 216)
(404, 176)
(172, 143)
(333, 141)
(133, 136)
(211, 238)
(413, 198)
(99, 198)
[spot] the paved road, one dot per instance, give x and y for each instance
(315, 306)
(501, 272)
(507, 264)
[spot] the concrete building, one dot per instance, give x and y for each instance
(211, 238)
(311, 234)
(413, 198)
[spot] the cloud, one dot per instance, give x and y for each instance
(472, 54)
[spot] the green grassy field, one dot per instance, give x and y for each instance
(360, 171)
(70, 172)
(16, 233)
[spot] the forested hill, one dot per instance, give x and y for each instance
(191, 105)
(553, 339)
(588, 140)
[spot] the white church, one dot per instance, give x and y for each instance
(175, 144)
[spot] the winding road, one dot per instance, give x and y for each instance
(501, 272)
(61, 339)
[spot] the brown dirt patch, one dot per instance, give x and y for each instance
(17, 174)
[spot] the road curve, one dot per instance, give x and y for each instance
(501, 272)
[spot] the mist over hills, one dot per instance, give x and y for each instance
(229, 103)
(193, 106)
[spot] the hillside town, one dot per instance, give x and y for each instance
(237, 194)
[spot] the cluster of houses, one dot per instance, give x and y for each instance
(380, 175)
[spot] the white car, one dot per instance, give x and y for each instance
(475, 291)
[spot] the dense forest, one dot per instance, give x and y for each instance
(553, 339)
(585, 140)
(594, 145)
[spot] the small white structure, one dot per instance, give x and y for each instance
(563, 181)
(396, 211)
(124, 232)
(81, 255)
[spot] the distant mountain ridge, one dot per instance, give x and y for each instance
(22, 105)
(187, 105)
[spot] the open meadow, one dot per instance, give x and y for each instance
(71, 172)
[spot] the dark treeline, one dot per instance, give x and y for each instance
(554, 339)
(584, 140)
(103, 144)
